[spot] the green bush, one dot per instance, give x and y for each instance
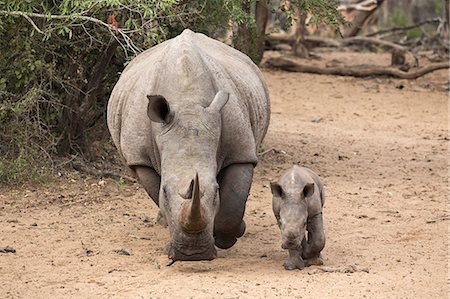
(61, 59)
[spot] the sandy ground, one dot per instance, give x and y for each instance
(380, 146)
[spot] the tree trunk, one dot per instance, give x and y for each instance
(359, 21)
(95, 84)
(261, 16)
(447, 11)
(298, 47)
(79, 111)
(243, 40)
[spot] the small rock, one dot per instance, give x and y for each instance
(121, 252)
(7, 249)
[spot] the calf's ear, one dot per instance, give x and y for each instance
(308, 190)
(276, 189)
(158, 109)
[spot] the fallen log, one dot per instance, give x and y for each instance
(398, 52)
(355, 71)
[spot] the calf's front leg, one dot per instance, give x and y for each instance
(316, 239)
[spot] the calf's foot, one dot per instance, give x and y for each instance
(292, 264)
(294, 261)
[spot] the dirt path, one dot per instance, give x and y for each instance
(380, 146)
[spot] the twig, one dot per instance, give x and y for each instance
(266, 152)
(33, 24)
(344, 269)
(58, 17)
(404, 28)
(366, 5)
(98, 173)
(125, 37)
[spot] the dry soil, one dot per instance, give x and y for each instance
(380, 146)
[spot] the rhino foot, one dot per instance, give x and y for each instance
(241, 229)
(225, 241)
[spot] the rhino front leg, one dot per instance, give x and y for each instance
(234, 183)
(316, 238)
(151, 182)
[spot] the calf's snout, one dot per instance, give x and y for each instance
(291, 241)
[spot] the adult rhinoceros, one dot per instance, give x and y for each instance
(188, 117)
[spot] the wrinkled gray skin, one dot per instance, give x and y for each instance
(188, 116)
(298, 199)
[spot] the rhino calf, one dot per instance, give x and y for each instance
(298, 199)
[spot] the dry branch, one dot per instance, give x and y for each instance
(360, 40)
(101, 174)
(403, 28)
(115, 32)
(342, 269)
(310, 41)
(398, 52)
(355, 71)
(361, 18)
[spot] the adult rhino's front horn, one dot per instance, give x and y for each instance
(192, 217)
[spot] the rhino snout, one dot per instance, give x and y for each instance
(192, 247)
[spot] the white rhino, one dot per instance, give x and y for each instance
(188, 117)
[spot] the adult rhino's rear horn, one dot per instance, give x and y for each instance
(192, 213)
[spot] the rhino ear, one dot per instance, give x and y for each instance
(308, 190)
(276, 189)
(219, 101)
(158, 109)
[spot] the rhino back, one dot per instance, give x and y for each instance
(190, 64)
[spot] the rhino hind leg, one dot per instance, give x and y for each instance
(151, 182)
(235, 182)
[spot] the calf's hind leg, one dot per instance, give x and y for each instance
(234, 186)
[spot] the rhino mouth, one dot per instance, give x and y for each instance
(187, 248)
